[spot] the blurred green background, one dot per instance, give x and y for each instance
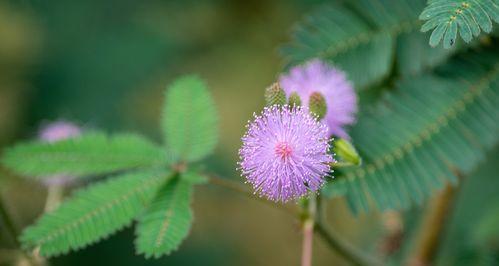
(105, 64)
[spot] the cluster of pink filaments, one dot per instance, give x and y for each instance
(285, 153)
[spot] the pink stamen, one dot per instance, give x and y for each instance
(283, 150)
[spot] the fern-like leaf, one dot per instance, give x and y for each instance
(167, 221)
(363, 37)
(448, 17)
(93, 213)
(90, 154)
(420, 135)
(189, 119)
(194, 177)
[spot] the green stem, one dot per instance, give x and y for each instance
(237, 187)
(55, 194)
(346, 250)
(9, 224)
(321, 208)
(432, 227)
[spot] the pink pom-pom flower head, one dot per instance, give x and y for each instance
(53, 132)
(285, 153)
(58, 131)
(317, 76)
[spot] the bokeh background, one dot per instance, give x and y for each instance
(105, 64)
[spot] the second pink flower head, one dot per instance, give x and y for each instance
(318, 76)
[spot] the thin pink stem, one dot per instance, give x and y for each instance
(308, 235)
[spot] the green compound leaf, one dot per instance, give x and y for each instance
(422, 133)
(89, 154)
(194, 177)
(93, 213)
(167, 221)
(447, 17)
(363, 38)
(189, 121)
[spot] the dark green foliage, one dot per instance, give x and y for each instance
(486, 231)
(166, 222)
(364, 37)
(414, 56)
(94, 213)
(189, 122)
(425, 132)
(448, 17)
(408, 139)
(474, 219)
(90, 154)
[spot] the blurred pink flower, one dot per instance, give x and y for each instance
(53, 132)
(58, 131)
(318, 76)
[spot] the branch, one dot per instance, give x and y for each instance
(349, 252)
(9, 224)
(237, 187)
(345, 249)
(432, 227)
(309, 208)
(308, 234)
(54, 197)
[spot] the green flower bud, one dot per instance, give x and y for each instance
(274, 94)
(317, 105)
(294, 99)
(346, 151)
